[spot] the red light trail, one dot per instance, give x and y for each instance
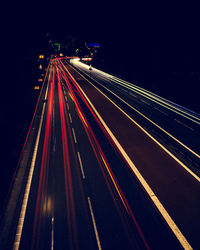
(43, 179)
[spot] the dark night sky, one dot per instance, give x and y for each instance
(148, 36)
(154, 46)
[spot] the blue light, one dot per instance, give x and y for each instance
(94, 44)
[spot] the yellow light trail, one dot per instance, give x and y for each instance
(116, 187)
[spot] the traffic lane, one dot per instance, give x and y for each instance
(112, 225)
(183, 129)
(79, 225)
(56, 200)
(143, 210)
(177, 190)
(31, 216)
(26, 238)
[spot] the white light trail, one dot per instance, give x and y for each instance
(189, 114)
(155, 124)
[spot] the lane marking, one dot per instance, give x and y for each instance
(74, 135)
(52, 233)
(161, 111)
(144, 101)
(183, 241)
(133, 95)
(29, 181)
(94, 224)
(70, 117)
(66, 98)
(81, 165)
(184, 124)
(67, 106)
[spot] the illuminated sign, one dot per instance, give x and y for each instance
(58, 45)
(94, 45)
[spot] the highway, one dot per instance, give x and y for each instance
(90, 177)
